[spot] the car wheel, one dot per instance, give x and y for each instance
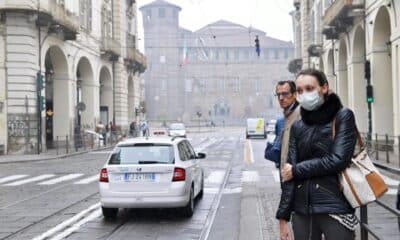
(201, 193)
(109, 213)
(188, 210)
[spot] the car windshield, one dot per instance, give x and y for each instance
(177, 126)
(142, 154)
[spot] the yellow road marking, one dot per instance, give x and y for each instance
(246, 152)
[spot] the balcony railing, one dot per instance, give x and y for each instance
(135, 59)
(63, 16)
(110, 46)
(50, 11)
(339, 9)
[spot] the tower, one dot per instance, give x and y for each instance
(164, 90)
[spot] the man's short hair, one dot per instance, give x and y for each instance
(319, 75)
(292, 85)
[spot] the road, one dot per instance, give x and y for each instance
(59, 199)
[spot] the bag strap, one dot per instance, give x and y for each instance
(359, 139)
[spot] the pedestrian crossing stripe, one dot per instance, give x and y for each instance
(88, 180)
(61, 179)
(11, 178)
(46, 179)
(30, 180)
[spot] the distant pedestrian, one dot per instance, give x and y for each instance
(101, 129)
(311, 187)
(144, 128)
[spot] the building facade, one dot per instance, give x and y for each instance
(65, 66)
(214, 71)
(342, 38)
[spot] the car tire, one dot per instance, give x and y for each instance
(188, 210)
(109, 213)
(201, 193)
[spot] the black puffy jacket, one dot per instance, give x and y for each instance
(317, 159)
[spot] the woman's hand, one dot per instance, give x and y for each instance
(284, 229)
(287, 173)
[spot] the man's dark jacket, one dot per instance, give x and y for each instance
(317, 160)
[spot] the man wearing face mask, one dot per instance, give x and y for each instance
(311, 189)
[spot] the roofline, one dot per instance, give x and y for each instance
(156, 4)
(230, 22)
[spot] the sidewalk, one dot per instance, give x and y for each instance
(49, 155)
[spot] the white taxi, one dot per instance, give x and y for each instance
(154, 172)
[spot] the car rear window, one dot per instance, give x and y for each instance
(177, 126)
(142, 154)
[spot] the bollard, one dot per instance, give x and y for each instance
(91, 141)
(376, 147)
(387, 148)
(67, 144)
(364, 219)
(57, 145)
(84, 141)
(398, 145)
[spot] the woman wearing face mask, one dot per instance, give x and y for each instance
(311, 189)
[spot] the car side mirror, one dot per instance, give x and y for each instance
(201, 155)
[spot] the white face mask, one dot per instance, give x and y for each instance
(310, 100)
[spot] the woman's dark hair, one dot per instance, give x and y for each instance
(292, 85)
(319, 75)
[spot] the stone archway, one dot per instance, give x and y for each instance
(343, 86)
(358, 93)
(106, 96)
(87, 91)
(381, 74)
(57, 95)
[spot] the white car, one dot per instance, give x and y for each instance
(154, 172)
(177, 129)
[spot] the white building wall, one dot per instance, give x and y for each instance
(354, 88)
(18, 68)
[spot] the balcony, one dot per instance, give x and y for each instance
(110, 48)
(340, 15)
(135, 60)
(51, 13)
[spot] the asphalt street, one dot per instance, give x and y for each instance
(59, 199)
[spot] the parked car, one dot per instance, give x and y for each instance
(255, 128)
(177, 130)
(154, 172)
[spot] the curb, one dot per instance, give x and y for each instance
(56, 156)
(386, 167)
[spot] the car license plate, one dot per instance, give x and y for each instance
(139, 177)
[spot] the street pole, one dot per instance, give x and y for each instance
(363, 209)
(38, 90)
